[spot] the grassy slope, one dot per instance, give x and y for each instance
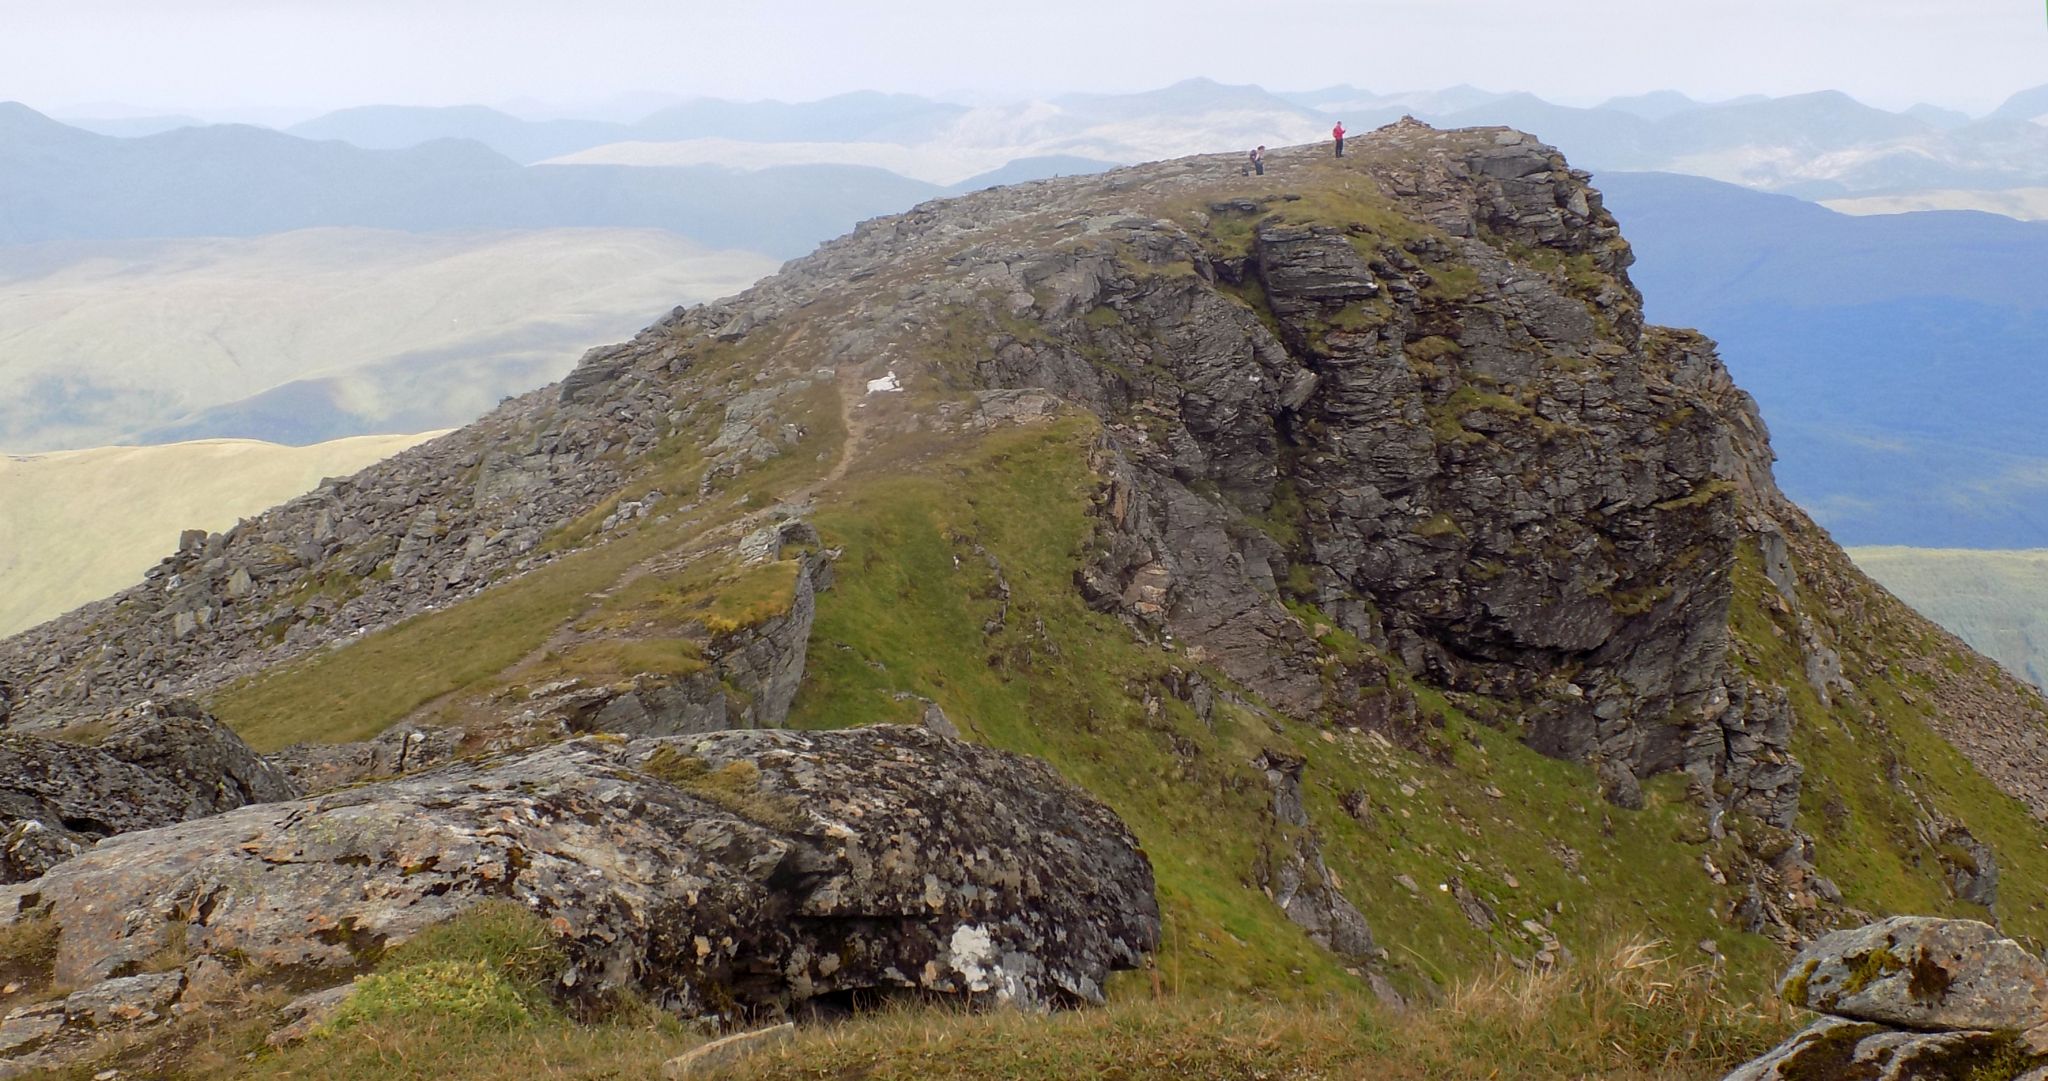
(78, 525)
(1868, 756)
(551, 622)
(1070, 684)
(1237, 991)
(1997, 601)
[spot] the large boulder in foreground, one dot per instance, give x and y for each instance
(1921, 972)
(1913, 998)
(735, 872)
(145, 766)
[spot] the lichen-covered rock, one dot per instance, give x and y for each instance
(146, 766)
(1832, 1049)
(52, 1034)
(747, 871)
(1921, 972)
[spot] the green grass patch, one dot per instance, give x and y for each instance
(711, 594)
(364, 687)
(735, 787)
(466, 993)
(489, 969)
(607, 659)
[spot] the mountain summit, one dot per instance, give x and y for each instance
(1344, 529)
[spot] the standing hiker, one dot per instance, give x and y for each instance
(1337, 133)
(1258, 160)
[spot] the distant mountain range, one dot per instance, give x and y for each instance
(1897, 358)
(62, 183)
(59, 183)
(852, 117)
(1818, 145)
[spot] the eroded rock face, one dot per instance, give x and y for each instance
(147, 766)
(741, 870)
(1300, 882)
(1454, 436)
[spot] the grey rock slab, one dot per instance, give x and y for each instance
(1921, 972)
(149, 766)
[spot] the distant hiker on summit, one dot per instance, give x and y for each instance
(1337, 133)
(1257, 162)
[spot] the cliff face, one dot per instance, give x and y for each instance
(1344, 528)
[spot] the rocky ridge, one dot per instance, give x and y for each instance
(1371, 443)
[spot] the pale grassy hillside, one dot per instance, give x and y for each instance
(1997, 601)
(319, 333)
(78, 525)
(2026, 204)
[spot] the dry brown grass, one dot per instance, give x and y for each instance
(1631, 1014)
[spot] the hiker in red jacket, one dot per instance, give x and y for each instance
(1337, 133)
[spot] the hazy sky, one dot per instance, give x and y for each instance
(303, 56)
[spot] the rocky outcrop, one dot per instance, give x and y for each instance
(1913, 998)
(738, 873)
(317, 767)
(1296, 877)
(1456, 438)
(143, 767)
(52, 1033)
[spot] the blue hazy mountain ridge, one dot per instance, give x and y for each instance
(1818, 145)
(1897, 358)
(397, 127)
(1773, 143)
(2025, 105)
(129, 127)
(61, 183)
(1655, 105)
